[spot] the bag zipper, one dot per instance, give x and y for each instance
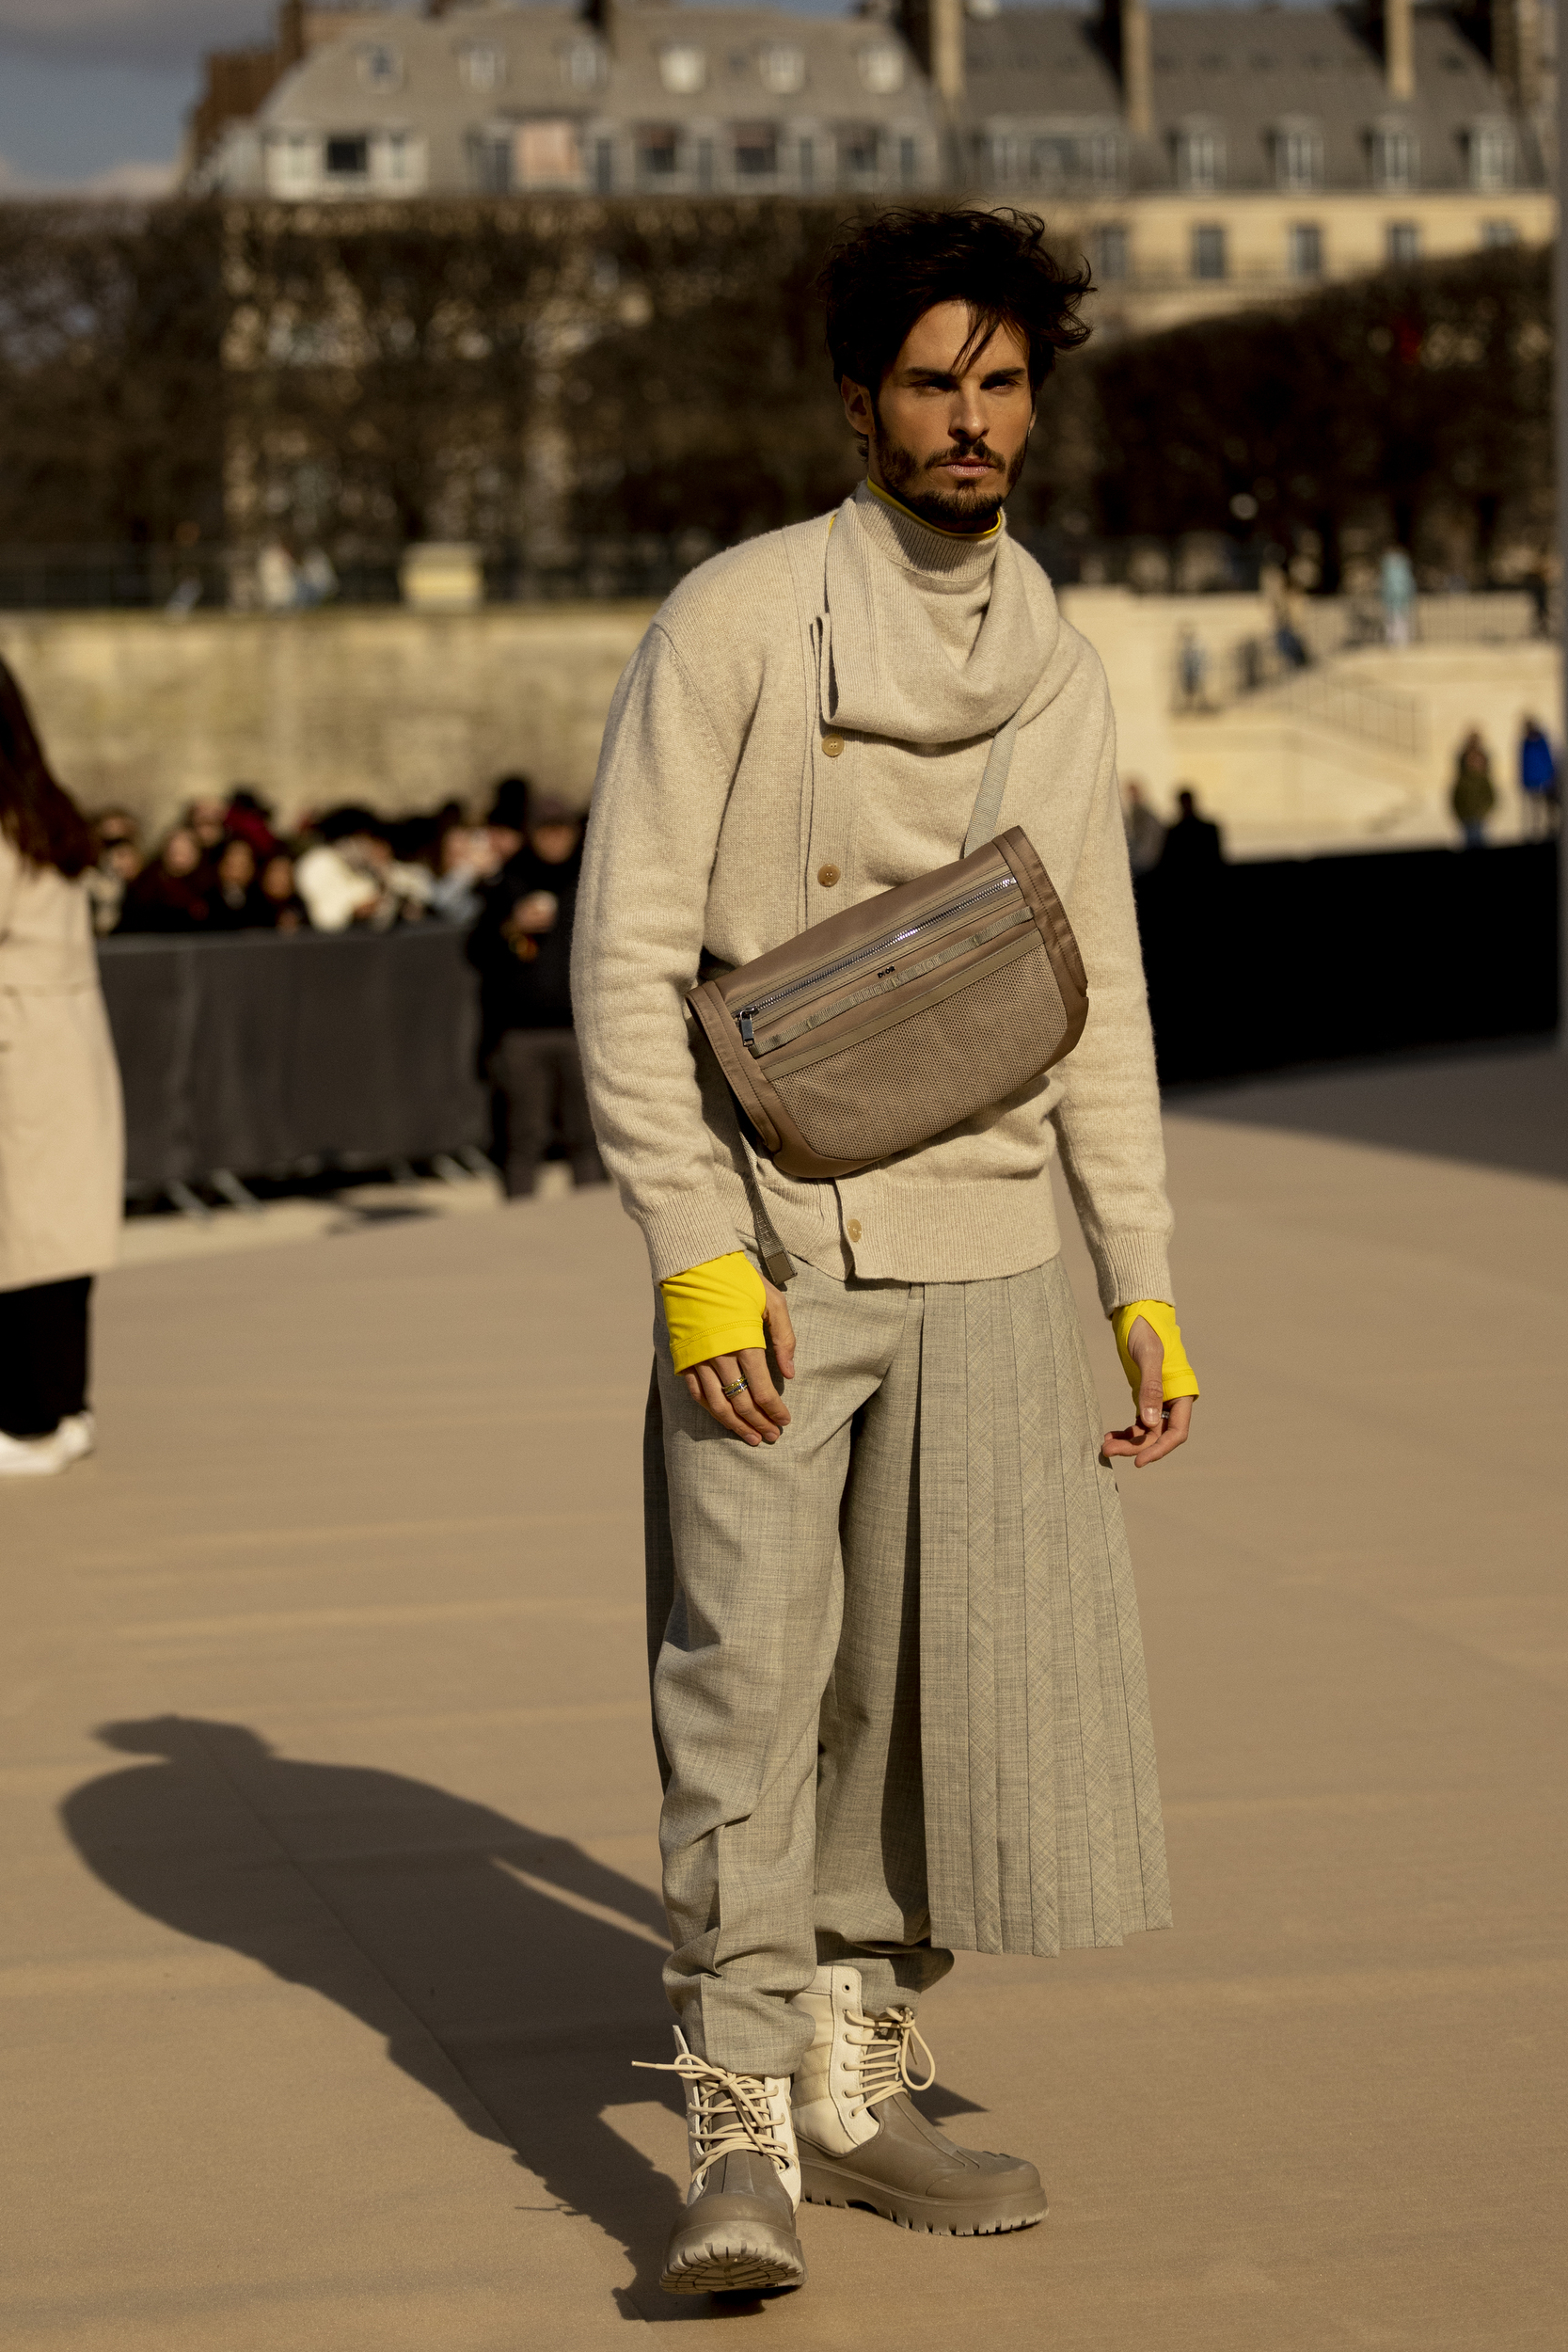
(863, 955)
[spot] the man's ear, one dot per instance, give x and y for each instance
(858, 406)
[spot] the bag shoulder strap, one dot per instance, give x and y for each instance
(777, 1263)
(988, 803)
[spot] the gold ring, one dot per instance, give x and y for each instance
(735, 1386)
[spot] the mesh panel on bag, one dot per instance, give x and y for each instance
(938, 1067)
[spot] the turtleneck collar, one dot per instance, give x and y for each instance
(943, 559)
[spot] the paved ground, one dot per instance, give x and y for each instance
(329, 1808)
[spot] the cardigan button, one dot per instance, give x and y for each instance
(832, 745)
(828, 875)
(854, 1228)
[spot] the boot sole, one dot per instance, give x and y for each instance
(830, 2184)
(732, 2263)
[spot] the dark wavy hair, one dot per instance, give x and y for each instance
(884, 273)
(37, 817)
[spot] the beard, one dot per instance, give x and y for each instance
(975, 507)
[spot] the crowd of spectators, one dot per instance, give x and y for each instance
(227, 865)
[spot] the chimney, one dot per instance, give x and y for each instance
(1124, 37)
(1399, 48)
(1515, 48)
(935, 31)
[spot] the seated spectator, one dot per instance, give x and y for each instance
(248, 817)
(170, 894)
(508, 822)
(118, 838)
(207, 821)
(237, 903)
(349, 877)
(467, 857)
(284, 905)
(1193, 850)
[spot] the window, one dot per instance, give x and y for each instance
(1396, 157)
(380, 68)
(857, 153)
(581, 66)
(292, 163)
(806, 169)
(1110, 254)
(1403, 242)
(1208, 256)
(1492, 155)
(783, 68)
(400, 159)
(1100, 157)
(547, 156)
(1496, 234)
(882, 69)
(757, 150)
(348, 158)
(683, 69)
(1199, 159)
(482, 67)
(1050, 160)
(658, 150)
(1007, 159)
(704, 165)
(1298, 156)
(1304, 249)
(490, 162)
(604, 166)
(909, 162)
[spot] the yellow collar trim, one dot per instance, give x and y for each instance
(971, 538)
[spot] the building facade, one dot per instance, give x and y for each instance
(1202, 156)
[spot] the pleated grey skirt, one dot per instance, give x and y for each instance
(1043, 1805)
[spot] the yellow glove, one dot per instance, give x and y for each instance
(1177, 1375)
(713, 1310)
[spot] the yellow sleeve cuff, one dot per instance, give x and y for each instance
(1179, 1377)
(713, 1310)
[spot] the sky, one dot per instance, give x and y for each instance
(94, 93)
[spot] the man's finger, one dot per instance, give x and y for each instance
(781, 1330)
(731, 1406)
(760, 1388)
(717, 1404)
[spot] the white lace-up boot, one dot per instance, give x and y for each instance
(862, 2142)
(738, 2228)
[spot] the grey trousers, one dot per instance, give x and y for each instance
(898, 1678)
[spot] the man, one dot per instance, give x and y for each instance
(522, 948)
(1193, 850)
(899, 1686)
(1538, 781)
(1145, 835)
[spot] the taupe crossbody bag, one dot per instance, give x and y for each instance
(885, 1026)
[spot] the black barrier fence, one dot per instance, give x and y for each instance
(1256, 968)
(257, 1054)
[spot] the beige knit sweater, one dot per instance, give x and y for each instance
(800, 728)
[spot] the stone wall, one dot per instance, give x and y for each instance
(398, 708)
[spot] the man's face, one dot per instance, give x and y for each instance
(948, 440)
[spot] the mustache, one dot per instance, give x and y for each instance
(974, 452)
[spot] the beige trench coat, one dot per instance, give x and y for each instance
(62, 1145)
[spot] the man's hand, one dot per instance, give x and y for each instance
(757, 1414)
(1160, 1428)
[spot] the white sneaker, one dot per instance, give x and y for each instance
(35, 1457)
(78, 1435)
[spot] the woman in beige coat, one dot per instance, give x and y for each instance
(61, 1129)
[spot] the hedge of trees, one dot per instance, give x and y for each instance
(539, 377)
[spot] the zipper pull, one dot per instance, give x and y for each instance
(747, 1034)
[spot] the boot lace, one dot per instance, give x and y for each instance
(729, 2114)
(886, 2060)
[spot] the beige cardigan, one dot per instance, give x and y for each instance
(738, 801)
(62, 1140)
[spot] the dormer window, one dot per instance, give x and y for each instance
(1298, 155)
(1199, 156)
(581, 66)
(379, 66)
(1491, 154)
(882, 69)
(683, 69)
(757, 150)
(783, 68)
(482, 67)
(1396, 156)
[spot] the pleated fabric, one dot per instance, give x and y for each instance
(1042, 1807)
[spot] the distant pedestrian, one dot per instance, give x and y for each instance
(1538, 782)
(61, 1123)
(1474, 795)
(1397, 589)
(522, 949)
(1194, 849)
(1192, 671)
(1145, 835)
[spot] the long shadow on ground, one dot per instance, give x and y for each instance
(509, 1973)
